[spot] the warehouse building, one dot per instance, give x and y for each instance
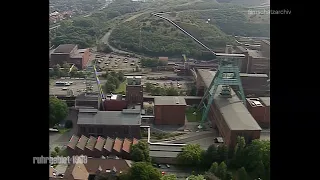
(69, 53)
(253, 84)
(169, 110)
(125, 123)
(229, 115)
(260, 110)
(115, 103)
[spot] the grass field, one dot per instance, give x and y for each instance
(121, 88)
(191, 117)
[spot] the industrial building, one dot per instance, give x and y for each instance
(260, 110)
(229, 115)
(125, 123)
(98, 147)
(164, 154)
(115, 103)
(134, 90)
(253, 84)
(169, 110)
(88, 100)
(69, 53)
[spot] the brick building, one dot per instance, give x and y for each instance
(115, 103)
(125, 123)
(231, 118)
(169, 110)
(253, 84)
(134, 90)
(69, 53)
(260, 110)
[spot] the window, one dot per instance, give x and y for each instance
(83, 130)
(100, 130)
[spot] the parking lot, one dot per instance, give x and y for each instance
(167, 83)
(116, 62)
(77, 85)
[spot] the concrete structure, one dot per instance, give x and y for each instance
(69, 53)
(260, 110)
(134, 90)
(253, 84)
(125, 123)
(98, 147)
(265, 48)
(169, 110)
(94, 166)
(163, 154)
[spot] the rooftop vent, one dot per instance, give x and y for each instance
(177, 100)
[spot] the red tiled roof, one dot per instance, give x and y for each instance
(126, 145)
(91, 143)
(73, 141)
(82, 142)
(117, 145)
(100, 143)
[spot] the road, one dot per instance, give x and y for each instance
(105, 40)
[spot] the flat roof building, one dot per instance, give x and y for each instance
(169, 110)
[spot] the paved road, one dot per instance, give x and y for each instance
(193, 137)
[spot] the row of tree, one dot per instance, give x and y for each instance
(162, 91)
(113, 80)
(64, 71)
(254, 158)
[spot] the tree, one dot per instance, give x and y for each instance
(53, 154)
(149, 87)
(57, 150)
(222, 171)
(68, 124)
(190, 155)
(259, 171)
(229, 176)
(120, 76)
(171, 91)
(223, 153)
(258, 150)
(214, 167)
(210, 155)
(74, 71)
(169, 177)
(58, 110)
(199, 177)
(109, 87)
(210, 176)
(242, 174)
(144, 171)
(140, 152)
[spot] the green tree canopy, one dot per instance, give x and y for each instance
(242, 174)
(58, 110)
(190, 155)
(222, 171)
(144, 171)
(214, 167)
(210, 155)
(169, 177)
(140, 152)
(198, 177)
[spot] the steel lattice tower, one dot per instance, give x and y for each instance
(227, 75)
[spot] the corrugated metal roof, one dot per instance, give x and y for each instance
(164, 154)
(234, 112)
(109, 118)
(169, 100)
